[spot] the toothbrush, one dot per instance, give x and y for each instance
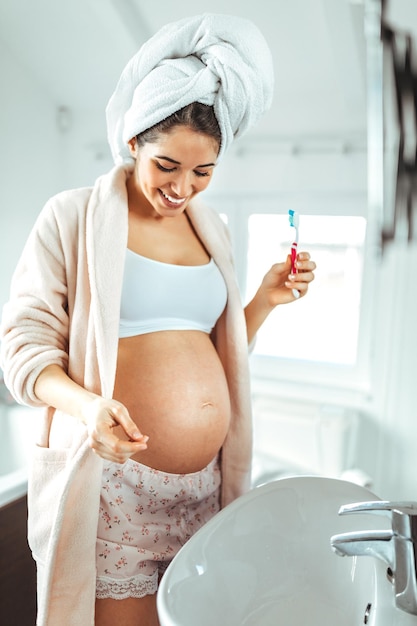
(294, 222)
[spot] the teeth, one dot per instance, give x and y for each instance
(173, 200)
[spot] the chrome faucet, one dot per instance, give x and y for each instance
(396, 547)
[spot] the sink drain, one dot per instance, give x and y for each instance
(367, 613)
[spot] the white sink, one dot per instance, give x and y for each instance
(266, 560)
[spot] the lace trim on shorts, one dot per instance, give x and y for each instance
(120, 589)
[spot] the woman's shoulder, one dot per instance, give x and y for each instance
(61, 218)
(78, 200)
(203, 211)
(69, 200)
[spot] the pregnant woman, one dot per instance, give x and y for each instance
(125, 323)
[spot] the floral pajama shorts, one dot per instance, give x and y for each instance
(146, 516)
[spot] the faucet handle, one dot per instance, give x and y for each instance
(379, 507)
(402, 513)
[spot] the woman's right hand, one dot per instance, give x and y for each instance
(54, 388)
(101, 417)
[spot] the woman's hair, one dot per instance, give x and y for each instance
(199, 117)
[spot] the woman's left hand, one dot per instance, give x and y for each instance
(278, 283)
(277, 288)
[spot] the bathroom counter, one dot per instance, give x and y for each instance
(17, 571)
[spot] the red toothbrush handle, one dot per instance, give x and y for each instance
(293, 258)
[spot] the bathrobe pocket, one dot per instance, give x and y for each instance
(46, 484)
(63, 503)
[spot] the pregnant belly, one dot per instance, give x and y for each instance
(174, 387)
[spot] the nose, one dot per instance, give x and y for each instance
(181, 184)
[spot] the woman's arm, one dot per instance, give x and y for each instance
(55, 388)
(34, 334)
(276, 288)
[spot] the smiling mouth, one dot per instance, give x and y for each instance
(176, 201)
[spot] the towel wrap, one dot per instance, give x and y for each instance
(219, 60)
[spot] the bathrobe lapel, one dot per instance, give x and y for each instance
(106, 235)
(230, 339)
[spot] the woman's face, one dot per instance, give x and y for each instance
(171, 171)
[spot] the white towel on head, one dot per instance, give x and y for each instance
(215, 59)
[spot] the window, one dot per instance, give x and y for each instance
(324, 337)
(333, 304)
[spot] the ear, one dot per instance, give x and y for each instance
(133, 147)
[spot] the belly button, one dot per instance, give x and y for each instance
(206, 404)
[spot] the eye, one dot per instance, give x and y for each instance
(197, 173)
(164, 169)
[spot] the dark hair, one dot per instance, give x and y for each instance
(197, 116)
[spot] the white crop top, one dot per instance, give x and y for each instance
(160, 296)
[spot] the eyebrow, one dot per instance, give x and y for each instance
(165, 158)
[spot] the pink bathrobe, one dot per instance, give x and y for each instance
(64, 309)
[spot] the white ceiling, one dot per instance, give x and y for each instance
(77, 49)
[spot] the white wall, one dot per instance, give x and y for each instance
(87, 154)
(31, 158)
(39, 158)
(310, 167)
(394, 374)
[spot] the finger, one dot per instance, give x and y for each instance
(131, 429)
(116, 450)
(294, 288)
(299, 282)
(123, 447)
(303, 275)
(300, 286)
(110, 456)
(306, 277)
(305, 266)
